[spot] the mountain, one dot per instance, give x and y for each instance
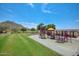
(9, 25)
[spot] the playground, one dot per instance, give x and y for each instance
(64, 42)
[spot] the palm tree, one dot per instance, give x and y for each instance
(50, 26)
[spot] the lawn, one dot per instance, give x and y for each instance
(19, 44)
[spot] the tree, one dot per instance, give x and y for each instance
(23, 29)
(50, 26)
(2, 29)
(39, 26)
(32, 29)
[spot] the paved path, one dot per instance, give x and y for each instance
(66, 49)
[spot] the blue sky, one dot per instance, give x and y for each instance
(63, 15)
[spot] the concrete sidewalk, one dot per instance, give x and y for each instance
(66, 49)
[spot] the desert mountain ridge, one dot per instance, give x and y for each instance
(11, 25)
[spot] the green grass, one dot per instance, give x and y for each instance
(21, 45)
(3, 39)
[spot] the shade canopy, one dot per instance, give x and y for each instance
(51, 29)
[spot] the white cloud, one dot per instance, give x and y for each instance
(44, 8)
(47, 11)
(10, 10)
(31, 4)
(29, 24)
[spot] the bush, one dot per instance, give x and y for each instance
(32, 29)
(23, 29)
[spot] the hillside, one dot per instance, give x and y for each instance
(9, 25)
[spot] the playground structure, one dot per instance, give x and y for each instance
(51, 33)
(59, 35)
(42, 32)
